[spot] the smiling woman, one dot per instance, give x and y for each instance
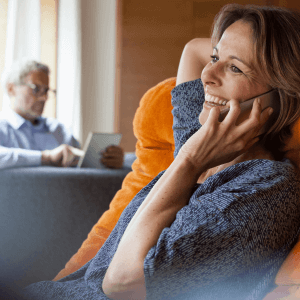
(219, 222)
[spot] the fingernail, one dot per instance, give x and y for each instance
(270, 110)
(258, 100)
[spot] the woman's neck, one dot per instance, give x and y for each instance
(257, 151)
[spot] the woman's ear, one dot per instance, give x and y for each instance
(10, 87)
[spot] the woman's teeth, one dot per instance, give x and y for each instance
(215, 100)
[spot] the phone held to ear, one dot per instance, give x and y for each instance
(268, 99)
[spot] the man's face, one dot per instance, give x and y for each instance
(27, 103)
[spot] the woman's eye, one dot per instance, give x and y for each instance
(234, 69)
(214, 58)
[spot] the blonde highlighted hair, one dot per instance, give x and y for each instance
(276, 37)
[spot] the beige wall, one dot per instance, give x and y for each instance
(3, 26)
(98, 19)
(48, 44)
(49, 48)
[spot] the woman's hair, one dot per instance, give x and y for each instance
(276, 36)
(19, 70)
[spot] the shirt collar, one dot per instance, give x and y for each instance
(16, 121)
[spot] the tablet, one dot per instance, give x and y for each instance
(94, 143)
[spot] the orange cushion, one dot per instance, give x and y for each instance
(289, 272)
(154, 150)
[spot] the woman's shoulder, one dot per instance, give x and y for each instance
(273, 170)
(258, 196)
(264, 171)
(255, 181)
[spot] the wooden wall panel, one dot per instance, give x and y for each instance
(288, 3)
(153, 35)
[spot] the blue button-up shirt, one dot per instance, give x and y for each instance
(21, 142)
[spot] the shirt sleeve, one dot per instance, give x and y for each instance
(62, 134)
(75, 143)
(187, 101)
(16, 157)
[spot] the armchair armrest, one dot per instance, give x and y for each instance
(45, 215)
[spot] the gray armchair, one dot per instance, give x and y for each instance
(45, 215)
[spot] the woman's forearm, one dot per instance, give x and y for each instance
(171, 192)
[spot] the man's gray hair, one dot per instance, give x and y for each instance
(19, 70)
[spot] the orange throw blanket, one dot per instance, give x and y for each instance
(154, 150)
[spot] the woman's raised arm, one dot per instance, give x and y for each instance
(194, 58)
(212, 145)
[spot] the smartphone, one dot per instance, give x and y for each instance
(268, 99)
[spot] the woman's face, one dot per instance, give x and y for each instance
(232, 72)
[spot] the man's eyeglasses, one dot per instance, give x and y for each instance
(38, 90)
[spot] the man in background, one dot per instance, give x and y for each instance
(27, 138)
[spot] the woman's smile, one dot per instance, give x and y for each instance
(215, 100)
(212, 101)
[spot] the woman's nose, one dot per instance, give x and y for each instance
(211, 75)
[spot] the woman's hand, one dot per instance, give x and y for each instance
(218, 143)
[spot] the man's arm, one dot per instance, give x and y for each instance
(62, 156)
(17, 157)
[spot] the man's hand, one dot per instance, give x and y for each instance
(62, 156)
(113, 157)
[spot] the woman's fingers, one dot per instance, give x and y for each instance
(253, 121)
(257, 119)
(256, 110)
(265, 115)
(213, 117)
(233, 113)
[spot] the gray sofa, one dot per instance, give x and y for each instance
(45, 215)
